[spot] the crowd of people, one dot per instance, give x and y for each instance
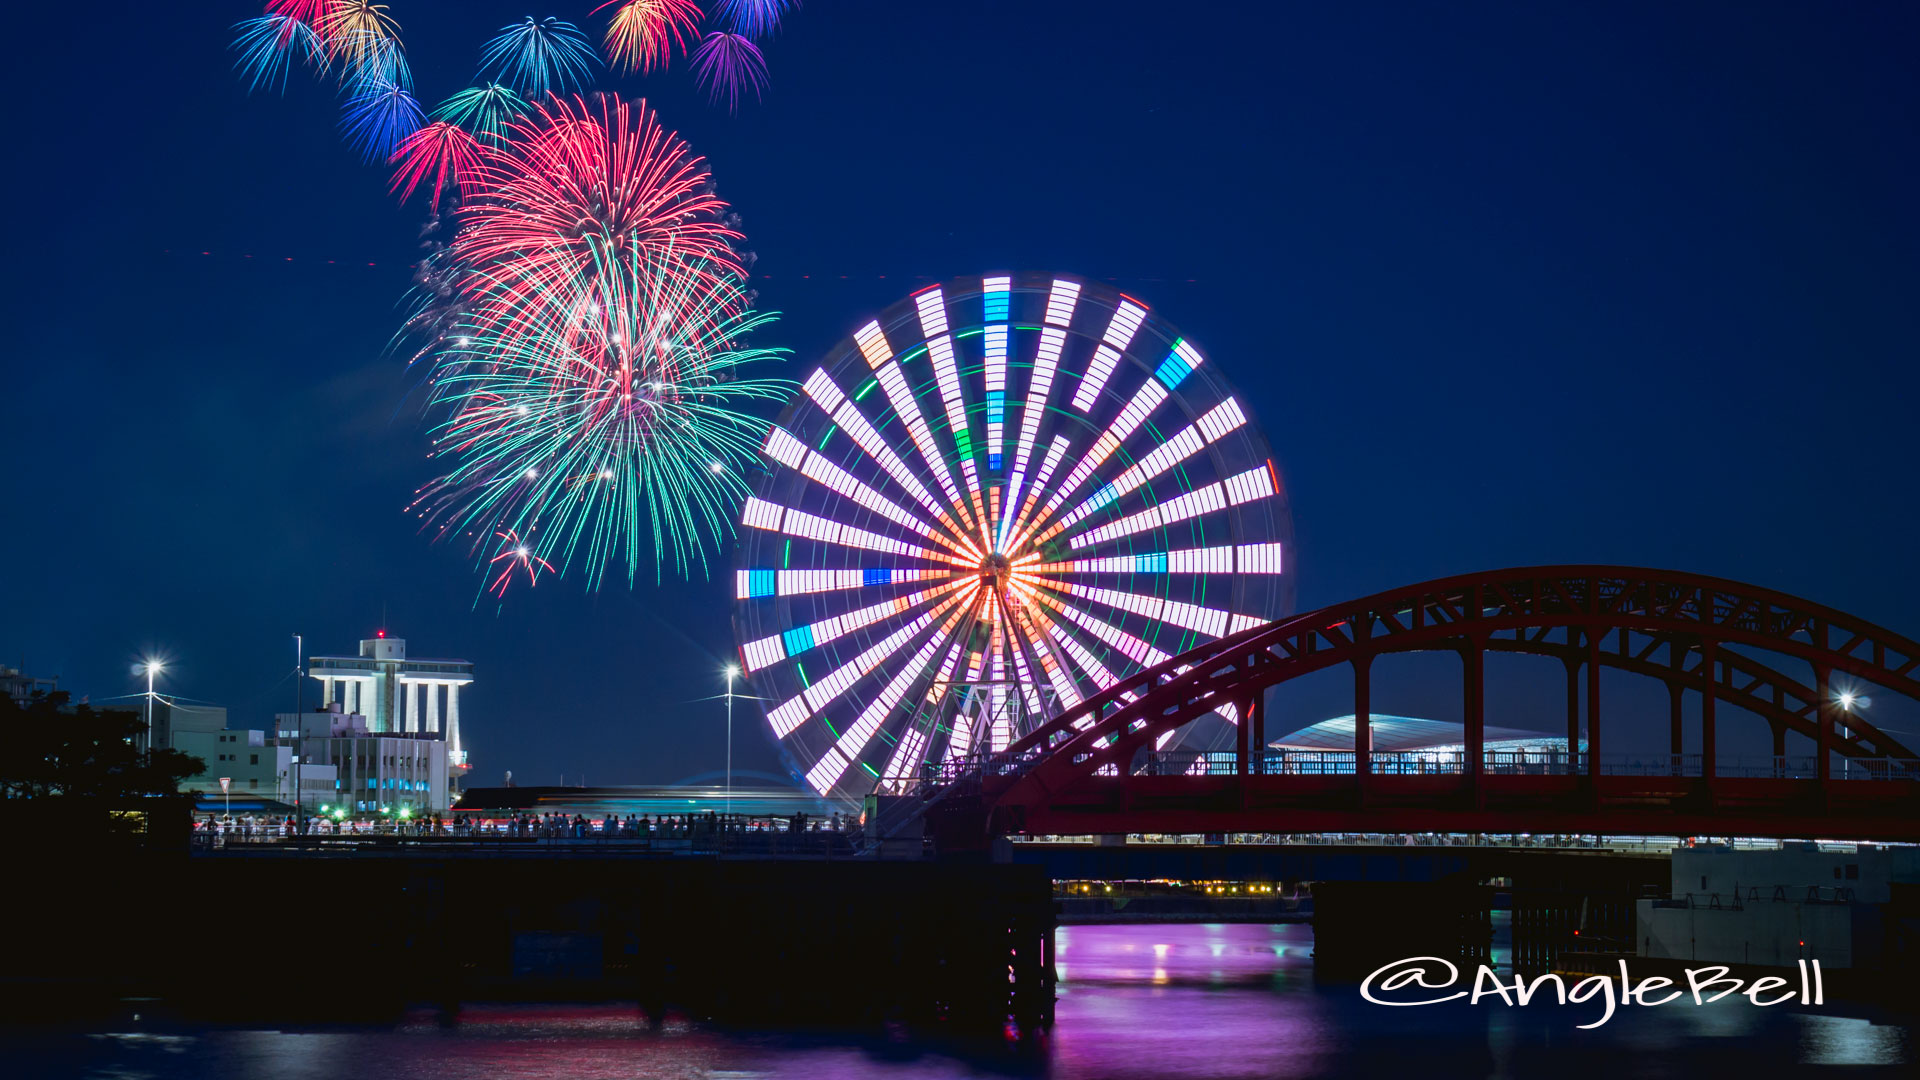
(548, 826)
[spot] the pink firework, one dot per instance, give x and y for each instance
(644, 33)
(307, 11)
(516, 558)
(437, 155)
(579, 186)
(727, 64)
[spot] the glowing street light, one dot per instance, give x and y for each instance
(153, 667)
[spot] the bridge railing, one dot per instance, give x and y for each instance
(1514, 763)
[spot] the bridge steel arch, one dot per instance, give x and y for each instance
(1080, 772)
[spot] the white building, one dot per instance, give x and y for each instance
(1773, 908)
(365, 771)
(395, 695)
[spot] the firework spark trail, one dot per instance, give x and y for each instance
(378, 118)
(727, 64)
(441, 153)
(588, 383)
(644, 33)
(483, 111)
(362, 36)
(536, 57)
(606, 435)
(580, 186)
(268, 47)
(310, 12)
(754, 18)
(515, 553)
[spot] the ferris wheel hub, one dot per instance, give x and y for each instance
(995, 571)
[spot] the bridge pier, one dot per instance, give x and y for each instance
(1360, 925)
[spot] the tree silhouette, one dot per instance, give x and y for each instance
(48, 750)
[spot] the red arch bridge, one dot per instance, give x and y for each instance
(1095, 768)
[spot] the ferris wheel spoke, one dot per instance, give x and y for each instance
(1144, 401)
(756, 584)
(886, 368)
(1237, 490)
(1061, 299)
(947, 373)
(961, 741)
(771, 516)
(1211, 621)
(848, 418)
(1057, 676)
(995, 338)
(809, 702)
(770, 650)
(1106, 356)
(853, 745)
(1056, 452)
(1264, 558)
(1130, 646)
(1210, 428)
(794, 454)
(932, 307)
(918, 738)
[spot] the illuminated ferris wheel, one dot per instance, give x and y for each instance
(995, 500)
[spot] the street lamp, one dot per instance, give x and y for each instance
(153, 667)
(732, 672)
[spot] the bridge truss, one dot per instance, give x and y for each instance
(1095, 767)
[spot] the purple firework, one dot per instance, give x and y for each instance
(729, 63)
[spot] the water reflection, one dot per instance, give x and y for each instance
(1193, 1002)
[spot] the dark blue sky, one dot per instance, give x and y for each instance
(1505, 284)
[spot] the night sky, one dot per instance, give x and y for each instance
(1504, 284)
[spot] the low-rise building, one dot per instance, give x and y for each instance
(1773, 908)
(370, 770)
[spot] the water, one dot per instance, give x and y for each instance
(1204, 1002)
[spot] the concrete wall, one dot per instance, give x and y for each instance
(1760, 933)
(1868, 872)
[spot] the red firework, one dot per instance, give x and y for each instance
(438, 154)
(578, 186)
(515, 556)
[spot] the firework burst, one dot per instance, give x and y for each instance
(644, 33)
(307, 11)
(269, 45)
(538, 56)
(580, 186)
(727, 64)
(754, 18)
(437, 155)
(589, 386)
(361, 35)
(378, 118)
(516, 559)
(483, 111)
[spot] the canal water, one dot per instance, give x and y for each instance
(1198, 1002)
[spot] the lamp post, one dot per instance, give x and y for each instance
(299, 733)
(154, 667)
(732, 671)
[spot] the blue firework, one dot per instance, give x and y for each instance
(379, 116)
(269, 45)
(754, 18)
(539, 55)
